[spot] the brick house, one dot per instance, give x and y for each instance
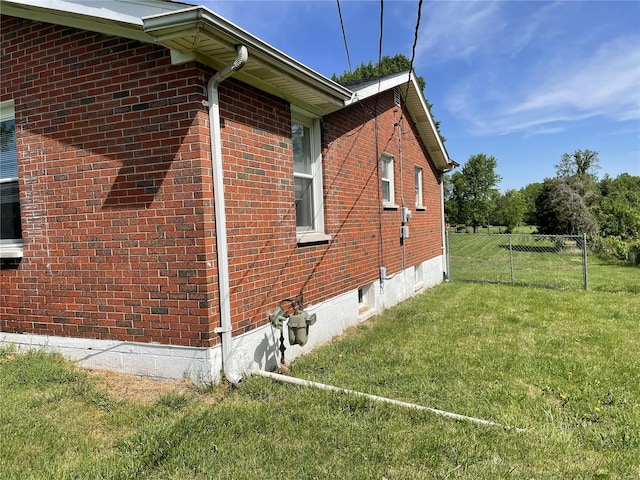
(167, 180)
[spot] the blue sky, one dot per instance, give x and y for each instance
(522, 81)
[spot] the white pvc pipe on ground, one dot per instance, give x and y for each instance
(322, 386)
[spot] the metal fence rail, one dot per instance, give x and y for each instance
(554, 261)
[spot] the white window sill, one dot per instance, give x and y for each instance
(420, 209)
(10, 251)
(390, 206)
(313, 237)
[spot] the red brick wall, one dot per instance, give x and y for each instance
(116, 198)
(266, 263)
(113, 150)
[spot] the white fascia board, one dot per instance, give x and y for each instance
(416, 91)
(115, 17)
(87, 9)
(124, 11)
(372, 89)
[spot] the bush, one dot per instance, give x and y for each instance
(611, 247)
(633, 256)
(616, 248)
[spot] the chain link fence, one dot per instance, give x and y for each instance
(552, 261)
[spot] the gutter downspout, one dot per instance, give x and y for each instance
(445, 254)
(220, 211)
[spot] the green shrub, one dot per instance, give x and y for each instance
(611, 247)
(633, 256)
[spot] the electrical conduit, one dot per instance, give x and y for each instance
(225, 328)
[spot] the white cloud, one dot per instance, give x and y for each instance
(562, 83)
(608, 84)
(457, 29)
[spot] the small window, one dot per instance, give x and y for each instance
(417, 176)
(307, 172)
(10, 223)
(366, 298)
(386, 174)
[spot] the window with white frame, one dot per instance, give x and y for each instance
(386, 174)
(10, 224)
(417, 177)
(307, 173)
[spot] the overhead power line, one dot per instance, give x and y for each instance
(415, 36)
(344, 36)
(380, 43)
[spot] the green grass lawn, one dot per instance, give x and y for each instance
(564, 365)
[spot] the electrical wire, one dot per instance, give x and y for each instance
(415, 36)
(380, 46)
(415, 43)
(344, 36)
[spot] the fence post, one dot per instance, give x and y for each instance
(585, 273)
(513, 279)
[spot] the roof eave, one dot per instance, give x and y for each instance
(197, 29)
(426, 125)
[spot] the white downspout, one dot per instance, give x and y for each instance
(220, 212)
(445, 264)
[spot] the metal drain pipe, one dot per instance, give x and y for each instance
(231, 372)
(376, 398)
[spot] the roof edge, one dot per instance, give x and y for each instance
(200, 17)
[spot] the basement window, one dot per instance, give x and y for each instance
(366, 298)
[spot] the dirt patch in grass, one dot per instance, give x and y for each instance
(133, 387)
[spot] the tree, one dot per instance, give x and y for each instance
(480, 181)
(581, 163)
(455, 202)
(510, 209)
(561, 210)
(529, 194)
(618, 210)
(387, 65)
(564, 205)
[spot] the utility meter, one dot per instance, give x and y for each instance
(406, 214)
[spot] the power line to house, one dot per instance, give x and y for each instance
(344, 36)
